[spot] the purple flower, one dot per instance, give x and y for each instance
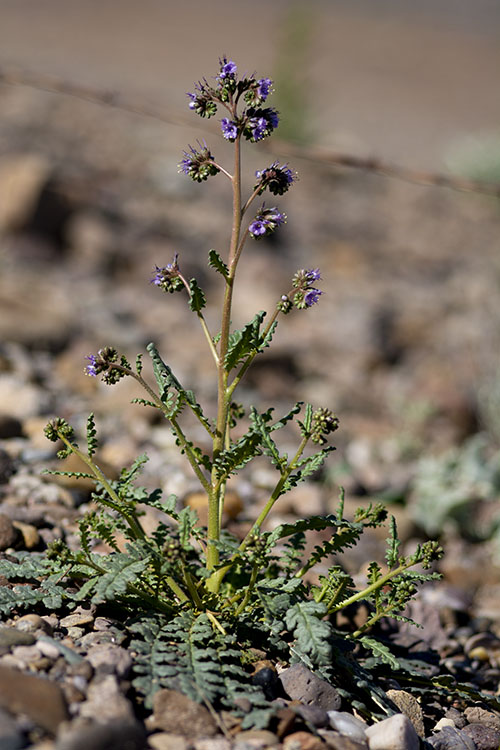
(261, 123)
(312, 297)
(264, 88)
(259, 128)
(266, 221)
(313, 274)
(258, 227)
(229, 129)
(276, 217)
(192, 103)
(91, 369)
(228, 68)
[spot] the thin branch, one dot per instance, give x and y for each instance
(17, 77)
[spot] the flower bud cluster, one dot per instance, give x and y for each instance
(265, 222)
(168, 278)
(57, 427)
(323, 422)
(107, 363)
(276, 178)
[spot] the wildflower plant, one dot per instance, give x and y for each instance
(198, 599)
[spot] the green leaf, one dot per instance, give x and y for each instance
(216, 262)
(268, 445)
(393, 544)
(306, 467)
(114, 583)
(21, 597)
(166, 379)
(74, 474)
(138, 364)
(311, 632)
(197, 299)
(188, 518)
(244, 341)
(315, 523)
(238, 455)
(379, 650)
(144, 402)
(91, 436)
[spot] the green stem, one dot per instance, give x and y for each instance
(215, 580)
(195, 597)
(275, 494)
(179, 593)
(223, 401)
(248, 593)
(365, 593)
(189, 454)
(115, 503)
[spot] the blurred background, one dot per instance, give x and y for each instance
(404, 344)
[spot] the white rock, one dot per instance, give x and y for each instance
(444, 722)
(395, 733)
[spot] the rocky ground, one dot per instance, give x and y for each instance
(403, 346)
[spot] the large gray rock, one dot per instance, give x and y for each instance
(450, 738)
(484, 738)
(300, 684)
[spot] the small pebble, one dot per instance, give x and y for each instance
(302, 741)
(48, 649)
(167, 741)
(76, 619)
(255, 739)
(31, 623)
(29, 533)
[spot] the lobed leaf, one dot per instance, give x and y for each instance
(216, 262)
(244, 341)
(197, 299)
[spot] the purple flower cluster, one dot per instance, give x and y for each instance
(227, 69)
(167, 277)
(260, 123)
(198, 163)
(106, 362)
(265, 222)
(306, 294)
(255, 122)
(276, 178)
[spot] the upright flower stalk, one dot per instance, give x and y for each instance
(245, 119)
